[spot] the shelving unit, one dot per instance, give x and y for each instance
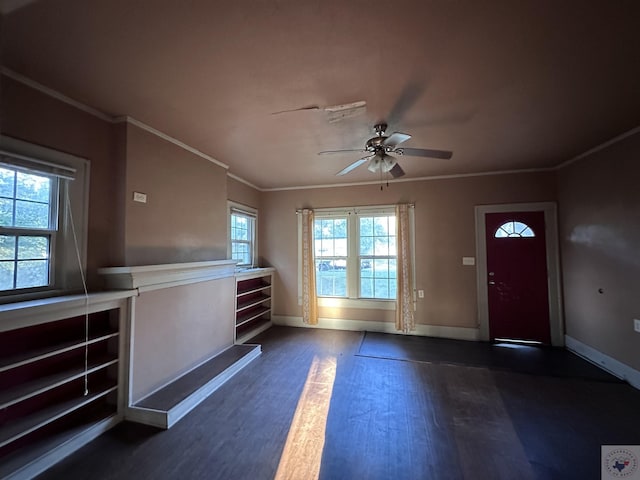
(60, 384)
(254, 291)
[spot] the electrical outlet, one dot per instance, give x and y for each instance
(636, 325)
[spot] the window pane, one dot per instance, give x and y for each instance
(241, 252)
(6, 212)
(381, 246)
(31, 248)
(33, 215)
(7, 247)
(382, 289)
(514, 229)
(366, 226)
(366, 245)
(366, 287)
(32, 273)
(7, 180)
(340, 247)
(381, 226)
(330, 237)
(6, 275)
(331, 279)
(33, 187)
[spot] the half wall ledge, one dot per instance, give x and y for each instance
(154, 277)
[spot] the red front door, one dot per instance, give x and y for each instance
(517, 276)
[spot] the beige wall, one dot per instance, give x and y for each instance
(600, 247)
(177, 328)
(242, 193)
(445, 232)
(185, 217)
(40, 119)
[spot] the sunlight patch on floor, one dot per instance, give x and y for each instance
(302, 453)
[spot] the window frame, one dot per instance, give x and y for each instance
(353, 300)
(64, 270)
(235, 208)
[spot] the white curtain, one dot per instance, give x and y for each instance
(309, 297)
(405, 318)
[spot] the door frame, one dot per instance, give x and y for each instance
(556, 321)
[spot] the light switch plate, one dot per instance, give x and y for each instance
(468, 260)
(420, 293)
(140, 197)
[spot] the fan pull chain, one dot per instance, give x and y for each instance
(86, 295)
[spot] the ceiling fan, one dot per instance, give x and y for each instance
(379, 148)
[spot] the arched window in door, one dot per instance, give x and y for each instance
(514, 229)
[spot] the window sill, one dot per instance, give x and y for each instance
(367, 303)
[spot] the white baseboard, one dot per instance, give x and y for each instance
(610, 364)
(457, 333)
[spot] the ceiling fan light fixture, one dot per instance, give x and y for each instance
(388, 162)
(374, 164)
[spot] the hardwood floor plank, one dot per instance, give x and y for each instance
(480, 419)
(387, 419)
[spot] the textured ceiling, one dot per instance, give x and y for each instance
(504, 85)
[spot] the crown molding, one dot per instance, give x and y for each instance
(107, 118)
(168, 138)
(597, 148)
(55, 94)
(242, 180)
(419, 179)
(126, 118)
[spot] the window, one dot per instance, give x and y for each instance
(355, 256)
(377, 259)
(28, 224)
(42, 201)
(242, 234)
(330, 249)
(514, 229)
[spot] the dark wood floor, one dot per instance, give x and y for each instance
(312, 405)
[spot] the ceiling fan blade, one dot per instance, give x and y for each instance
(395, 138)
(331, 152)
(353, 166)
(396, 171)
(409, 96)
(425, 152)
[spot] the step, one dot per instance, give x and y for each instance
(168, 405)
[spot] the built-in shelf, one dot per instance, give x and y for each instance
(40, 385)
(254, 294)
(60, 377)
(52, 350)
(245, 303)
(14, 430)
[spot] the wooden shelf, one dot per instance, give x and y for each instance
(50, 351)
(253, 314)
(28, 463)
(243, 304)
(254, 294)
(252, 289)
(16, 429)
(32, 388)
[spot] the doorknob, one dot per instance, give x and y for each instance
(491, 282)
